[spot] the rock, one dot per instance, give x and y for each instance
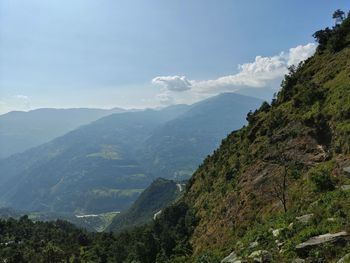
(337, 238)
(304, 218)
(298, 260)
(345, 259)
(279, 244)
(345, 187)
(291, 225)
(276, 232)
(261, 256)
(347, 171)
(331, 219)
(232, 258)
(254, 244)
(157, 214)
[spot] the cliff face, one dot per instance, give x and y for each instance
(275, 167)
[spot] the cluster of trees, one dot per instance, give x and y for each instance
(334, 38)
(49, 242)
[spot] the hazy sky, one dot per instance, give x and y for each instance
(106, 53)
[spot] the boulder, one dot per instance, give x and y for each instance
(347, 171)
(345, 187)
(304, 218)
(338, 238)
(254, 244)
(232, 258)
(277, 232)
(261, 256)
(298, 260)
(345, 259)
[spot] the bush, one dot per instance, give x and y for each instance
(322, 180)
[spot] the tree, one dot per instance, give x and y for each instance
(322, 37)
(281, 181)
(279, 188)
(339, 16)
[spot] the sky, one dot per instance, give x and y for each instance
(147, 53)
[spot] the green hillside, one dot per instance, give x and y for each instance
(104, 166)
(277, 190)
(153, 199)
(175, 149)
(89, 170)
(20, 131)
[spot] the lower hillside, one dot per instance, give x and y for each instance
(149, 205)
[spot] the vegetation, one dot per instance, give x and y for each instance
(27, 241)
(104, 166)
(301, 143)
(156, 197)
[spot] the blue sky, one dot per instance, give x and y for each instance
(105, 53)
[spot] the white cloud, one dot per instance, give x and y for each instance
(15, 102)
(300, 53)
(263, 72)
(173, 83)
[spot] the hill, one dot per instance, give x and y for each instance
(152, 200)
(175, 149)
(277, 190)
(20, 130)
(104, 166)
(89, 170)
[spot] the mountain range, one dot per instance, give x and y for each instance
(105, 165)
(21, 130)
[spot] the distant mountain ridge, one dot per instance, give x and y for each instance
(105, 165)
(21, 130)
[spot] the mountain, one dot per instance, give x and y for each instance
(104, 166)
(175, 149)
(276, 190)
(91, 169)
(154, 198)
(20, 130)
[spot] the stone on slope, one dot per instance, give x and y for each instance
(347, 171)
(232, 258)
(345, 187)
(345, 259)
(304, 218)
(316, 241)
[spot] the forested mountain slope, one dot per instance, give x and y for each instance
(277, 190)
(149, 204)
(91, 169)
(290, 160)
(20, 130)
(176, 148)
(104, 166)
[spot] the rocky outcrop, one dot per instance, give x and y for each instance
(338, 238)
(347, 171)
(232, 258)
(344, 259)
(345, 187)
(304, 218)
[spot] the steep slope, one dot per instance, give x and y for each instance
(290, 160)
(177, 148)
(153, 199)
(91, 169)
(20, 131)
